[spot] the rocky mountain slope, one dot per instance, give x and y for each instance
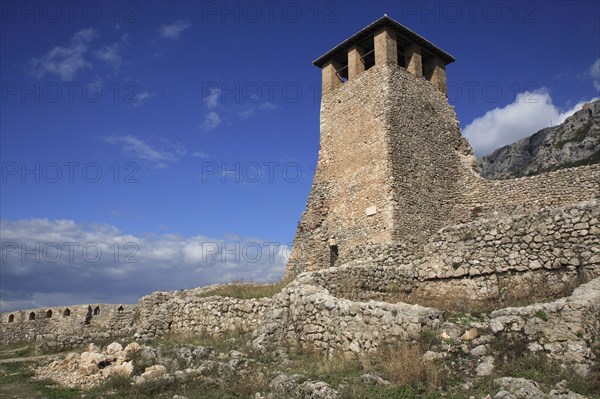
(573, 143)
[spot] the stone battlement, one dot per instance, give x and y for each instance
(75, 324)
(385, 41)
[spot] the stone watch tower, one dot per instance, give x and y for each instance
(392, 160)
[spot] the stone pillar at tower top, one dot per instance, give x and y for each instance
(385, 41)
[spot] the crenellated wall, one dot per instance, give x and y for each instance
(67, 326)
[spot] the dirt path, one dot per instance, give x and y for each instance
(11, 351)
(25, 359)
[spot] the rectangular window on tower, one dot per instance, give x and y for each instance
(333, 255)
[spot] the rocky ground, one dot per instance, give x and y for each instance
(574, 142)
(544, 350)
(462, 359)
(463, 366)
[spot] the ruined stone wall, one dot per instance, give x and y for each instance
(303, 313)
(186, 311)
(553, 238)
(486, 198)
(307, 314)
(566, 330)
(333, 308)
(57, 327)
(492, 259)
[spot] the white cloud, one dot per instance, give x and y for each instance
(174, 30)
(268, 106)
(141, 150)
(212, 120)
(200, 154)
(140, 98)
(65, 61)
(530, 112)
(84, 35)
(125, 268)
(111, 54)
(212, 99)
(251, 109)
(594, 72)
(247, 113)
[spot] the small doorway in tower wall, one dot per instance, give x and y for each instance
(333, 255)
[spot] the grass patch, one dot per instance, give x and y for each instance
(315, 365)
(242, 386)
(16, 381)
(223, 342)
(14, 372)
(542, 315)
(246, 290)
(17, 349)
(516, 361)
(528, 292)
(374, 391)
(399, 363)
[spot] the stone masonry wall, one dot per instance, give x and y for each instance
(303, 313)
(566, 330)
(186, 311)
(486, 198)
(488, 259)
(67, 326)
(307, 314)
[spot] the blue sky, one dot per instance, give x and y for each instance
(180, 138)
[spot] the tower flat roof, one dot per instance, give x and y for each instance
(383, 22)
